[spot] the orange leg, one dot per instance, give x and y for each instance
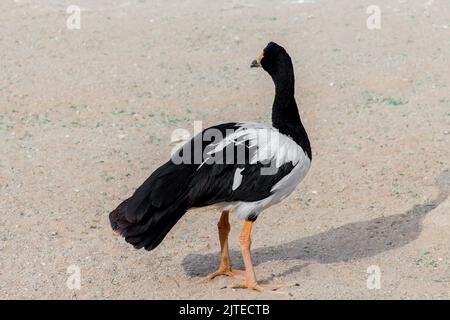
(250, 277)
(225, 265)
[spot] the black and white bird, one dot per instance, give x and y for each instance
(241, 168)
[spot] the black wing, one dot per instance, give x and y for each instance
(212, 181)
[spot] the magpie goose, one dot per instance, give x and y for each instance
(241, 168)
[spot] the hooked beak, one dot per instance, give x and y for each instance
(257, 62)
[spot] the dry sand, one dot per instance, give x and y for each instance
(86, 115)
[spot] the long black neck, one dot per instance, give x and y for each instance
(285, 116)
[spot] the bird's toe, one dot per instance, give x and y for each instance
(260, 287)
(237, 274)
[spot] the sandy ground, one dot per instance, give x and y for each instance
(86, 115)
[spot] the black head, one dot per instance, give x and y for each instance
(273, 59)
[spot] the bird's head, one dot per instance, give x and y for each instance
(273, 59)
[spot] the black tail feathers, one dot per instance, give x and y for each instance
(150, 230)
(117, 218)
(147, 216)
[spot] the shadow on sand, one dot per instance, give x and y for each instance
(351, 241)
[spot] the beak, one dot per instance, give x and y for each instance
(257, 62)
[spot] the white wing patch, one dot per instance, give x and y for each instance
(237, 178)
(270, 145)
